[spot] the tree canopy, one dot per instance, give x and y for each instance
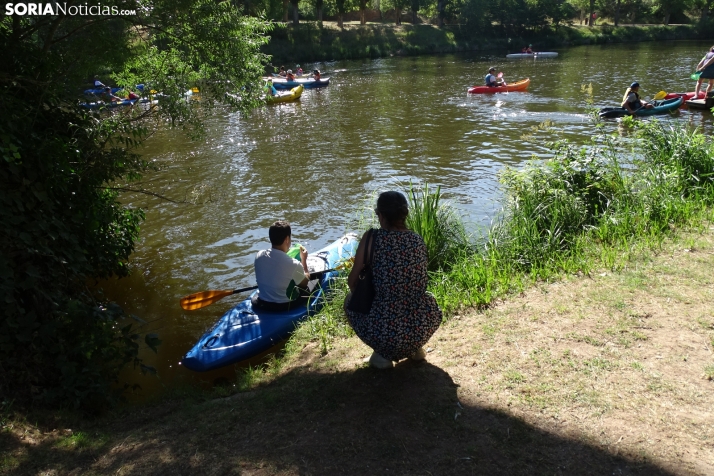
(62, 224)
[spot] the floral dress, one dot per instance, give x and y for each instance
(403, 315)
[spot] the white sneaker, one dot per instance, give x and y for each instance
(419, 354)
(379, 362)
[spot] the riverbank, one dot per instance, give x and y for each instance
(611, 372)
(310, 42)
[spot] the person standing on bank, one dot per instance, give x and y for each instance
(279, 276)
(403, 316)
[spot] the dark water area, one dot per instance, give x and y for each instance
(379, 124)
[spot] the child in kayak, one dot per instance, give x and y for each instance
(491, 80)
(631, 100)
(290, 76)
(270, 89)
(279, 276)
(298, 70)
(316, 75)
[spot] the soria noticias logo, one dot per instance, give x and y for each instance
(56, 8)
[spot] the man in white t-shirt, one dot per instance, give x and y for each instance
(277, 274)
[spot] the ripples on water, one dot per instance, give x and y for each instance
(380, 123)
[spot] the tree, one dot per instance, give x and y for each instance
(63, 167)
(319, 5)
(296, 12)
(340, 4)
(414, 4)
(362, 12)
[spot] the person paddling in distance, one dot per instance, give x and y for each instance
(98, 84)
(491, 80)
(631, 100)
(109, 97)
(270, 89)
(316, 75)
(290, 76)
(706, 66)
(298, 70)
(281, 279)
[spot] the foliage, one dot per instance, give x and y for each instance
(60, 343)
(439, 225)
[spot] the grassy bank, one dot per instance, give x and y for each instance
(311, 42)
(578, 334)
(602, 374)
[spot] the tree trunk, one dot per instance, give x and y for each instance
(362, 17)
(296, 14)
(705, 11)
(285, 10)
(592, 10)
(379, 12)
(339, 21)
(398, 13)
(666, 18)
(617, 13)
(319, 15)
(440, 6)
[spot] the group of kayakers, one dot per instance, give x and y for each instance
(402, 316)
(289, 76)
(107, 96)
(632, 101)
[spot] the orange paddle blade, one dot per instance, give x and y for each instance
(203, 299)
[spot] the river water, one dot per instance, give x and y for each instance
(379, 124)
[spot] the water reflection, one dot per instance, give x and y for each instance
(313, 162)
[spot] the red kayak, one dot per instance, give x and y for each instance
(517, 86)
(686, 96)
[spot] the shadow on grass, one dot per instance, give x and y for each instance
(404, 421)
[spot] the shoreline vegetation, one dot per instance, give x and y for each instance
(312, 41)
(580, 324)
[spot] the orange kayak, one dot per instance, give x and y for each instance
(517, 86)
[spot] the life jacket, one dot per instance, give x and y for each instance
(490, 83)
(633, 104)
(290, 77)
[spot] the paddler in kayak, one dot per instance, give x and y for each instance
(269, 88)
(281, 279)
(491, 80)
(631, 100)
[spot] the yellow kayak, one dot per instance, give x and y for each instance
(287, 96)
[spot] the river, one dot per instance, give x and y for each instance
(379, 124)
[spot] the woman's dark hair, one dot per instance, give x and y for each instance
(278, 232)
(393, 207)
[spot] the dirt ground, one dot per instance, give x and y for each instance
(607, 374)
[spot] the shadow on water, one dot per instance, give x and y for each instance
(410, 420)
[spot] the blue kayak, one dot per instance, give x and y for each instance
(660, 108)
(243, 332)
(125, 102)
(307, 83)
(98, 91)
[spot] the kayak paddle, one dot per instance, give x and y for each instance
(660, 95)
(206, 298)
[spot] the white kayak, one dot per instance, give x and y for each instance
(538, 54)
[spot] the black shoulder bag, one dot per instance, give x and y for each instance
(363, 295)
